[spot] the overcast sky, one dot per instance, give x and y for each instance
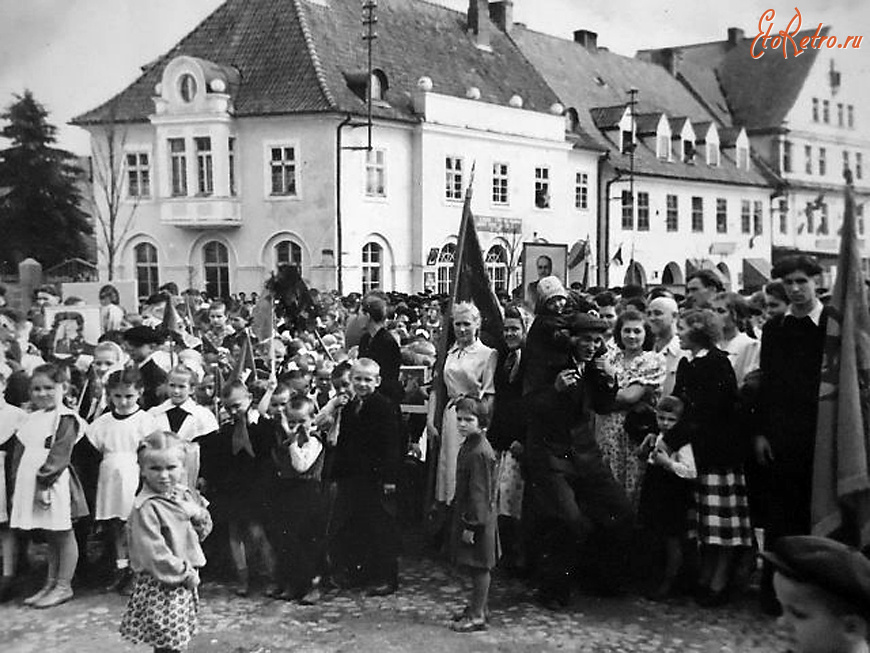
(75, 54)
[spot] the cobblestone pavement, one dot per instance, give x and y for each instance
(414, 619)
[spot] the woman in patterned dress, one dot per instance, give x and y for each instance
(640, 373)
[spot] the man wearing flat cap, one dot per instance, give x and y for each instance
(581, 507)
(824, 589)
(141, 342)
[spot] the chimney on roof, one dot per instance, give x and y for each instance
(587, 39)
(735, 36)
(667, 58)
(478, 11)
(501, 13)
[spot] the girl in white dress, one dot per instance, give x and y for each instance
(42, 499)
(117, 435)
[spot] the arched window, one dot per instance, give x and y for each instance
(445, 268)
(216, 261)
(147, 271)
(288, 253)
(372, 267)
(497, 268)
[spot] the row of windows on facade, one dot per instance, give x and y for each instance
(751, 214)
(216, 266)
(284, 181)
(820, 168)
(845, 113)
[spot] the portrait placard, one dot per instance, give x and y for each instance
(542, 260)
(73, 330)
(414, 379)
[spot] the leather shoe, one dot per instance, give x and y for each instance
(384, 589)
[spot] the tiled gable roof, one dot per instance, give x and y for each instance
(577, 75)
(607, 117)
(294, 55)
(758, 93)
(417, 39)
(761, 92)
(262, 39)
(585, 80)
(647, 123)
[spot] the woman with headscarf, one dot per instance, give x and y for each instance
(469, 370)
(507, 433)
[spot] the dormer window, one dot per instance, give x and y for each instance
(712, 153)
(187, 87)
(627, 145)
(688, 151)
(571, 120)
(743, 156)
(378, 86)
(663, 146)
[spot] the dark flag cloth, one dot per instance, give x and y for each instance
(263, 318)
(173, 326)
(841, 474)
(470, 283)
(245, 368)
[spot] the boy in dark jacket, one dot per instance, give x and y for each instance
(364, 539)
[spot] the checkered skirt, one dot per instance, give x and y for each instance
(720, 512)
(160, 615)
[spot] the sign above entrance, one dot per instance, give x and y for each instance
(498, 225)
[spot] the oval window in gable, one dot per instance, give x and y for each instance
(187, 87)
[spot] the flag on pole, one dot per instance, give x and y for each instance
(470, 283)
(841, 466)
(617, 258)
(245, 368)
(173, 324)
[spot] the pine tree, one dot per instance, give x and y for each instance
(40, 214)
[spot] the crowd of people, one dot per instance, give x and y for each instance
(598, 435)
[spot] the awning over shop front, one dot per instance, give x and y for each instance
(756, 273)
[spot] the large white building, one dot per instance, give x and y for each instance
(806, 118)
(246, 146)
(700, 199)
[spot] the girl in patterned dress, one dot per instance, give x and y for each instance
(168, 522)
(116, 436)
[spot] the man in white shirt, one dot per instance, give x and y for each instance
(662, 314)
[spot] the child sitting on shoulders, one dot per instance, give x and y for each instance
(166, 526)
(666, 494)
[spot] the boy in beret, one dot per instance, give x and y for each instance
(824, 589)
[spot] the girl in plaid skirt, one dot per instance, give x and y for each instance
(166, 525)
(708, 387)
